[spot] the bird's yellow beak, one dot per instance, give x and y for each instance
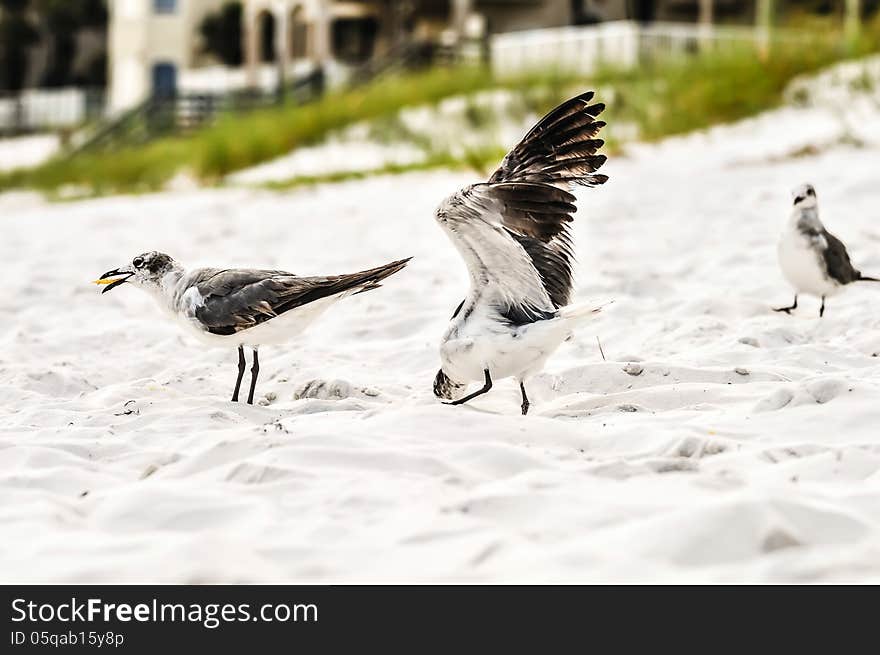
(112, 279)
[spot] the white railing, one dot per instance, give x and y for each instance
(34, 109)
(225, 79)
(619, 43)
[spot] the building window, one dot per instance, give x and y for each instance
(164, 6)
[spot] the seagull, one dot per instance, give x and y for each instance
(241, 306)
(513, 234)
(813, 260)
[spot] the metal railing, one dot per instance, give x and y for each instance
(186, 111)
(182, 112)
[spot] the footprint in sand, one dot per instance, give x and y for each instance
(776, 400)
(323, 390)
(819, 391)
(778, 539)
(825, 390)
(332, 390)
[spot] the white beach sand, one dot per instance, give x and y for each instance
(747, 448)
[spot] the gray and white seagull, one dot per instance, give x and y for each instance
(241, 306)
(813, 260)
(513, 234)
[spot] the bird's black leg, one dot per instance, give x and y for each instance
(255, 370)
(822, 308)
(787, 310)
(525, 402)
(240, 373)
(480, 392)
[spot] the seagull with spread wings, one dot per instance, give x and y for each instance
(238, 306)
(513, 233)
(813, 260)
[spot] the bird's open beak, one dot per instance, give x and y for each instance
(113, 278)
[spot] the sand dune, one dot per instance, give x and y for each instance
(717, 441)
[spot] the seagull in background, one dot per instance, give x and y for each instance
(513, 234)
(813, 260)
(238, 306)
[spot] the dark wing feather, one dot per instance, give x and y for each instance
(534, 183)
(238, 299)
(837, 261)
(560, 149)
(554, 262)
(536, 211)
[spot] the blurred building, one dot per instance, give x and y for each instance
(155, 47)
(352, 32)
(150, 41)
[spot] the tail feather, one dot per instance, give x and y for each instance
(865, 278)
(582, 311)
(370, 279)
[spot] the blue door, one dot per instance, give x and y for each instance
(164, 80)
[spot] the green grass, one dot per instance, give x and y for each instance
(684, 94)
(656, 99)
(239, 141)
(660, 99)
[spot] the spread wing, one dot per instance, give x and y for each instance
(837, 260)
(513, 231)
(232, 300)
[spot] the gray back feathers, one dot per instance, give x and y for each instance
(837, 261)
(834, 255)
(238, 299)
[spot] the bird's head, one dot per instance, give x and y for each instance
(446, 388)
(804, 196)
(145, 270)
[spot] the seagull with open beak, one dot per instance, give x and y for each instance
(241, 306)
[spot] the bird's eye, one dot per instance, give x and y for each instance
(138, 262)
